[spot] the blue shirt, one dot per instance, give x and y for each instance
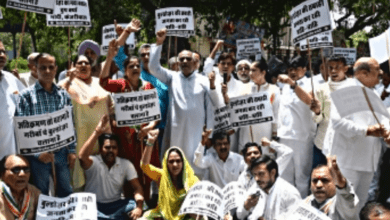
(35, 100)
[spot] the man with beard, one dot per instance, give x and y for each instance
(10, 86)
(190, 106)
(332, 193)
(224, 166)
(280, 195)
(106, 174)
(252, 152)
(242, 68)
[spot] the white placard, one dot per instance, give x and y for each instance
(222, 118)
(74, 13)
(76, 206)
(351, 100)
(380, 46)
(348, 53)
(135, 108)
(37, 6)
(178, 21)
(305, 212)
(309, 18)
(250, 109)
(318, 41)
(233, 195)
(46, 132)
(109, 33)
(248, 47)
(204, 198)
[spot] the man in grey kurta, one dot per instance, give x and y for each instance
(332, 194)
(190, 106)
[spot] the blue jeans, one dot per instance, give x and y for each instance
(116, 210)
(41, 173)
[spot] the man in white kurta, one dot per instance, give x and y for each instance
(10, 87)
(355, 139)
(190, 106)
(30, 78)
(296, 128)
(280, 196)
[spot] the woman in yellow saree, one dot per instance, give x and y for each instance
(175, 179)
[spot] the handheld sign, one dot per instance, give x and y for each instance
(348, 53)
(379, 47)
(109, 33)
(222, 118)
(135, 108)
(178, 21)
(309, 18)
(305, 212)
(351, 100)
(37, 6)
(46, 132)
(250, 109)
(73, 13)
(75, 206)
(247, 48)
(318, 41)
(206, 198)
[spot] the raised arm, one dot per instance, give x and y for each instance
(86, 149)
(200, 160)
(112, 51)
(209, 63)
(133, 26)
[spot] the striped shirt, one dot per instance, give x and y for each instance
(35, 100)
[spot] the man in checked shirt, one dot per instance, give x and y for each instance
(41, 98)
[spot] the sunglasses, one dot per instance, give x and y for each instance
(17, 170)
(144, 54)
(181, 59)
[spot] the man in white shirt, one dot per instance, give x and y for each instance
(332, 192)
(296, 128)
(252, 151)
(224, 166)
(31, 77)
(106, 175)
(10, 87)
(190, 101)
(355, 139)
(279, 197)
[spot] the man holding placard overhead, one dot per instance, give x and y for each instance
(190, 104)
(41, 98)
(355, 139)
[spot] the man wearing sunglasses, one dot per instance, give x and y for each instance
(190, 97)
(18, 198)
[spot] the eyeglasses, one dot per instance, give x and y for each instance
(181, 59)
(17, 170)
(144, 54)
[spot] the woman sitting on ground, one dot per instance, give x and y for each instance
(175, 179)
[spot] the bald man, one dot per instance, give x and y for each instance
(355, 139)
(190, 106)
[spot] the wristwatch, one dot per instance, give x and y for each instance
(295, 84)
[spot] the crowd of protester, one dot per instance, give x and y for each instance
(307, 154)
